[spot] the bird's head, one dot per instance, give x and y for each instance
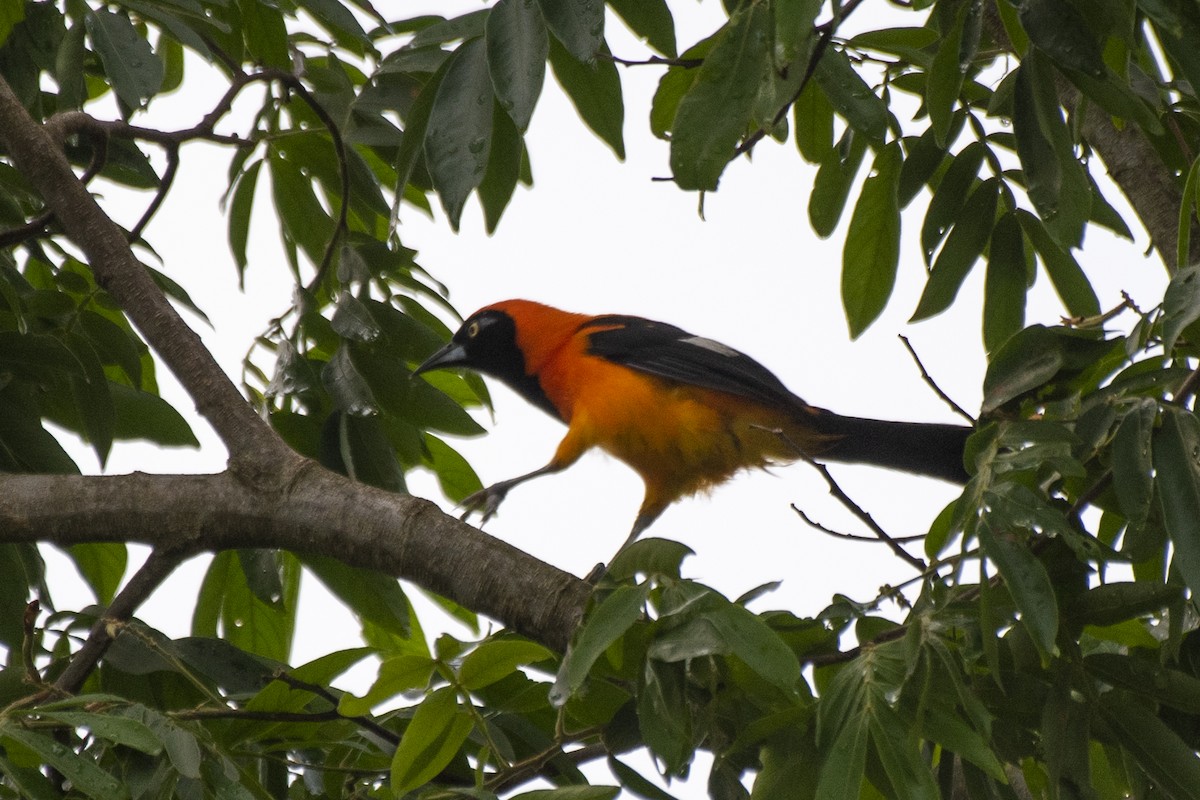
(486, 342)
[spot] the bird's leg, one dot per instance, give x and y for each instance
(644, 519)
(486, 501)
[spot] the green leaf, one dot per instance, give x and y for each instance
(1167, 761)
(495, 660)
(663, 717)
(1150, 679)
(430, 742)
(265, 33)
(1176, 458)
(812, 117)
(364, 453)
(570, 793)
(900, 754)
(944, 80)
(455, 475)
(1070, 281)
(1181, 304)
(373, 596)
(117, 729)
(945, 208)
(1056, 182)
(1132, 465)
(303, 220)
(1027, 582)
(595, 91)
(842, 769)
(503, 169)
(83, 773)
(11, 14)
(872, 250)
(131, 65)
(102, 564)
(1063, 33)
(963, 248)
(141, 415)
(713, 115)
(649, 556)
(753, 641)
(651, 20)
(1189, 208)
(924, 156)
(606, 623)
(39, 353)
(851, 97)
(239, 217)
(1005, 285)
(832, 185)
(578, 24)
(397, 674)
(517, 48)
(460, 128)
(633, 782)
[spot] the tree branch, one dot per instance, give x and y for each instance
(158, 567)
(318, 513)
(37, 155)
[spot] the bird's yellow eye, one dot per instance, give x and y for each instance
(473, 330)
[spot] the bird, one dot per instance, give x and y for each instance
(683, 411)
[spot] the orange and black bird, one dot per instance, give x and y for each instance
(685, 412)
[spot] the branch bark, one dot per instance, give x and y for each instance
(317, 513)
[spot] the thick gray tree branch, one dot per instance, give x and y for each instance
(318, 513)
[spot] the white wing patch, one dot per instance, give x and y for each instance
(714, 346)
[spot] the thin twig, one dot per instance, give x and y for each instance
(686, 63)
(853, 507)
(150, 576)
(854, 537)
(955, 407)
(366, 723)
(532, 767)
(32, 676)
(164, 186)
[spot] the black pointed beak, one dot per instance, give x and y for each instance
(452, 355)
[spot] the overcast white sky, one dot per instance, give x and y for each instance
(597, 235)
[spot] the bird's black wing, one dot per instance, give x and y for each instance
(666, 351)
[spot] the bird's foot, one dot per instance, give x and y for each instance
(484, 502)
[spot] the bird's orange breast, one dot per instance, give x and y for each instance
(680, 438)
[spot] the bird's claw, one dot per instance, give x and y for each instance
(484, 502)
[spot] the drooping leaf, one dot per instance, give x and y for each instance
(517, 48)
(714, 113)
(132, 66)
(578, 24)
(615, 615)
(1176, 459)
(430, 742)
(851, 97)
(831, 187)
(459, 134)
(1005, 285)
(651, 20)
(595, 91)
(872, 250)
(961, 251)
(1027, 581)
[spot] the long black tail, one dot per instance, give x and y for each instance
(926, 448)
